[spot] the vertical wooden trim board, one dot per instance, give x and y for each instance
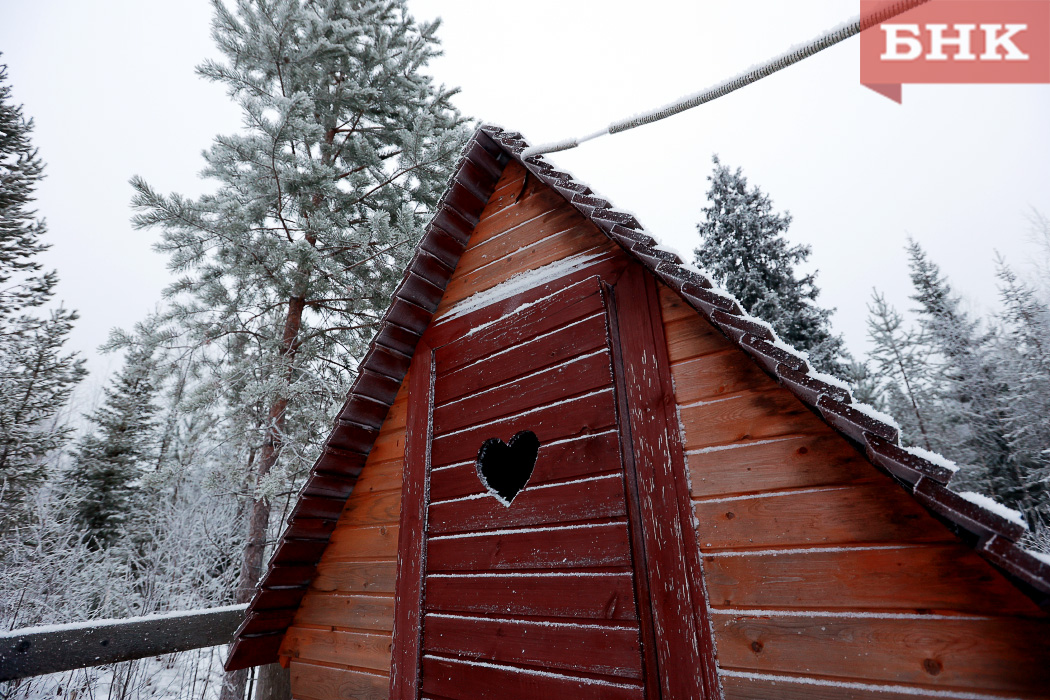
(656, 465)
(641, 578)
(408, 602)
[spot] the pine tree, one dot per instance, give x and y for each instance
(288, 265)
(742, 245)
(36, 378)
(110, 459)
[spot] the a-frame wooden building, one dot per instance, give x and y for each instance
(684, 509)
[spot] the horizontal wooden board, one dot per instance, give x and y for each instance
(314, 682)
(522, 208)
(601, 497)
(462, 680)
(530, 312)
(716, 375)
(396, 417)
(388, 446)
(578, 338)
(359, 649)
(584, 238)
(1005, 654)
(577, 376)
(507, 192)
(596, 649)
(363, 543)
(521, 232)
(673, 307)
(364, 508)
(606, 596)
(504, 324)
(793, 462)
(827, 516)
(579, 417)
(513, 209)
(938, 578)
(355, 577)
(807, 688)
(507, 187)
(747, 416)
(347, 611)
(558, 548)
(571, 459)
(692, 336)
(380, 476)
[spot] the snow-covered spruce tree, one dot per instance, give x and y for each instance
(865, 384)
(110, 458)
(286, 267)
(1024, 365)
(742, 245)
(970, 390)
(900, 359)
(36, 377)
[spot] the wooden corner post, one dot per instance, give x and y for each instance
(411, 555)
(669, 561)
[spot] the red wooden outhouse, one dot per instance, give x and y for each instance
(571, 468)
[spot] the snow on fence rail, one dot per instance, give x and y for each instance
(34, 651)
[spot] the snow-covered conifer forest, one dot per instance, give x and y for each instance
(166, 494)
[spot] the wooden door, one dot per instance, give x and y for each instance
(561, 588)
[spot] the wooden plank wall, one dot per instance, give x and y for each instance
(525, 226)
(339, 643)
(825, 579)
(547, 583)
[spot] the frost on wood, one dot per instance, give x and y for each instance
(605, 625)
(52, 649)
(544, 407)
(110, 622)
(521, 283)
(534, 672)
(518, 531)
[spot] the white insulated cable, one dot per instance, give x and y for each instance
(753, 75)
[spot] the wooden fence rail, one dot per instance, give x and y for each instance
(35, 651)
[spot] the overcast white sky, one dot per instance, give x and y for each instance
(112, 88)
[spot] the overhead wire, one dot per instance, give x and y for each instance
(794, 55)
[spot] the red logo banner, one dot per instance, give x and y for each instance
(954, 41)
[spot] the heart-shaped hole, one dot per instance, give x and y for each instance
(505, 468)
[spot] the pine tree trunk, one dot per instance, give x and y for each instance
(233, 684)
(911, 396)
(258, 523)
(275, 683)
